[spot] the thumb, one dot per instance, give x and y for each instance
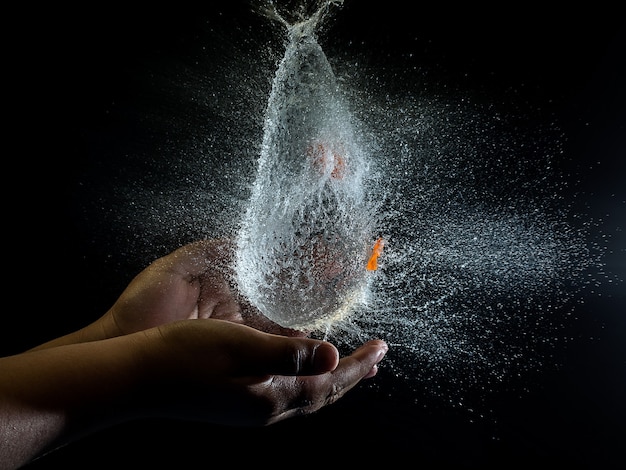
(283, 355)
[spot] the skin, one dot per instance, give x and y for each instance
(179, 343)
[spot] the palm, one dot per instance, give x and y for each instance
(190, 283)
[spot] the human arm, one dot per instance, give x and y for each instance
(177, 343)
(210, 370)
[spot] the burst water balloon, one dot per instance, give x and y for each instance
(303, 247)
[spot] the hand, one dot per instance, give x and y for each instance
(233, 374)
(252, 376)
(192, 282)
(178, 342)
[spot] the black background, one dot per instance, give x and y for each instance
(66, 66)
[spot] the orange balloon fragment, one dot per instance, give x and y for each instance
(372, 264)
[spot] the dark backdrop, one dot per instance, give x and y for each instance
(67, 71)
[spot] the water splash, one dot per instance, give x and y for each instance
(478, 264)
(483, 259)
(303, 245)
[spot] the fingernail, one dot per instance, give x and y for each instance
(324, 360)
(381, 353)
(373, 371)
(379, 357)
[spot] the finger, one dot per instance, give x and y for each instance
(315, 392)
(361, 364)
(291, 356)
(251, 316)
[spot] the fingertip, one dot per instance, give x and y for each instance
(376, 350)
(377, 347)
(383, 347)
(382, 344)
(373, 371)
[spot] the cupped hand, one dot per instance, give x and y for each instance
(238, 375)
(242, 367)
(193, 282)
(178, 342)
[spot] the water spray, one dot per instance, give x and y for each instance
(305, 241)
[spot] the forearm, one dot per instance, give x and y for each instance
(52, 396)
